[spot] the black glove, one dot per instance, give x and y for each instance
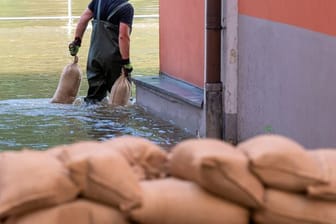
(127, 67)
(74, 46)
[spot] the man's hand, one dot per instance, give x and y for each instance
(127, 67)
(74, 46)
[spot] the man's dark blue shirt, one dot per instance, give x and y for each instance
(124, 15)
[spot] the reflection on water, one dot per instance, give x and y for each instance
(37, 124)
(33, 54)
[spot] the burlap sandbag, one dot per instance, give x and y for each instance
(327, 160)
(292, 208)
(31, 180)
(69, 83)
(218, 167)
(281, 163)
(56, 151)
(148, 160)
(75, 157)
(174, 201)
(120, 91)
(103, 174)
(77, 212)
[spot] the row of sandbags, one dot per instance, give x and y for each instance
(268, 179)
(99, 173)
(275, 177)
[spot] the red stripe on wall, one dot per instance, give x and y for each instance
(316, 15)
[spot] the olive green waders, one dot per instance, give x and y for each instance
(104, 59)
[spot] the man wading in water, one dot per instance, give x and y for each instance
(110, 44)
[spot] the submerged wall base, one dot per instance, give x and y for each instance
(172, 100)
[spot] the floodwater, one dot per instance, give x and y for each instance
(34, 38)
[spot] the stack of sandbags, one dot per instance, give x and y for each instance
(268, 179)
(289, 172)
(220, 172)
(85, 182)
(31, 180)
(282, 163)
(219, 168)
(169, 200)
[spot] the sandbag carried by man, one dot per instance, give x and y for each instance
(120, 92)
(69, 83)
(109, 53)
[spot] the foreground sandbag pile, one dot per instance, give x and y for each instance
(268, 179)
(298, 183)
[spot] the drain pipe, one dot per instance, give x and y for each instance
(230, 70)
(213, 87)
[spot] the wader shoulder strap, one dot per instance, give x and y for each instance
(116, 9)
(98, 10)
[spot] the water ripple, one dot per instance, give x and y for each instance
(38, 124)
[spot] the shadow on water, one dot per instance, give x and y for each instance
(38, 124)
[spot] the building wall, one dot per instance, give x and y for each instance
(286, 85)
(182, 40)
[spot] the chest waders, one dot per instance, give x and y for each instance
(103, 64)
